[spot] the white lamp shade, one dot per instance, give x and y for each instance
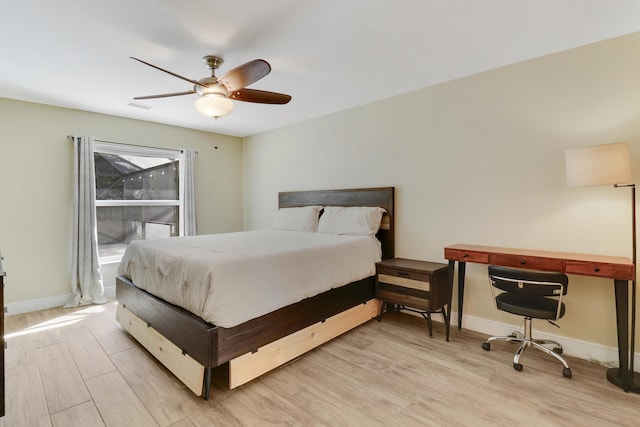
(214, 105)
(607, 164)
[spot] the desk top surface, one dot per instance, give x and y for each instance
(569, 256)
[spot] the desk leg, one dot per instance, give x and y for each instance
(461, 271)
(447, 317)
(622, 376)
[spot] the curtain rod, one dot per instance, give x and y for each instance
(71, 137)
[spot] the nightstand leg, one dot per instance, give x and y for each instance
(426, 314)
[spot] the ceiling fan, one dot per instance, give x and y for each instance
(216, 93)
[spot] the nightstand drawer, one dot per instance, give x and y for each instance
(404, 282)
(391, 295)
(403, 273)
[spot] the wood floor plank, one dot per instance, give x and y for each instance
(381, 392)
(257, 404)
(332, 402)
(117, 403)
(166, 398)
(44, 337)
(15, 323)
(44, 327)
(61, 381)
(19, 351)
(185, 422)
(110, 337)
(216, 412)
(88, 355)
(25, 403)
(83, 415)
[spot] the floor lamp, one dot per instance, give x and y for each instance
(610, 164)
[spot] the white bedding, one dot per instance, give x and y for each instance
(227, 279)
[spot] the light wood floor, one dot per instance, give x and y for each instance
(78, 367)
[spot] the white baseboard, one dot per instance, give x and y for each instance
(593, 352)
(49, 302)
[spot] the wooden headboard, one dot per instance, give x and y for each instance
(382, 197)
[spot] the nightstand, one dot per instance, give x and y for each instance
(419, 286)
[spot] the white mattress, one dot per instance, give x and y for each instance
(227, 279)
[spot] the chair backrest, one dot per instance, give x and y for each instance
(529, 282)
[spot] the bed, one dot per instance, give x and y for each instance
(193, 348)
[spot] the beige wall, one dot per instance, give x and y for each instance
(36, 187)
(480, 160)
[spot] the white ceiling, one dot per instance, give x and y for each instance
(329, 55)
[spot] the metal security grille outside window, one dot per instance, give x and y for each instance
(138, 196)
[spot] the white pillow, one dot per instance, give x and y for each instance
(352, 220)
(304, 218)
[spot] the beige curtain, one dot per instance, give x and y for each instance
(188, 182)
(86, 278)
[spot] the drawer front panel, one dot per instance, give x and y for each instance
(527, 262)
(404, 282)
(466, 256)
(601, 270)
(406, 274)
(402, 299)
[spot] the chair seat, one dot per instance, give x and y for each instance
(528, 306)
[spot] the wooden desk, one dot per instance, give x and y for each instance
(620, 269)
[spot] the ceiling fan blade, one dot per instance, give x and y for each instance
(195, 82)
(166, 95)
(260, 96)
(245, 74)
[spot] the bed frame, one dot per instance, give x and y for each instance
(191, 348)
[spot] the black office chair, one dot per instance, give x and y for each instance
(534, 295)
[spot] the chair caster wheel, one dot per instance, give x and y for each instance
(566, 372)
(486, 346)
(557, 350)
(518, 367)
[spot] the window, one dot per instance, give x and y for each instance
(138, 196)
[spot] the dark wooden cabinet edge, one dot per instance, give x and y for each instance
(2, 390)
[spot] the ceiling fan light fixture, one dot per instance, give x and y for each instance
(214, 105)
(215, 93)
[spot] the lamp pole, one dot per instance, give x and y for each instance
(632, 338)
(633, 285)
